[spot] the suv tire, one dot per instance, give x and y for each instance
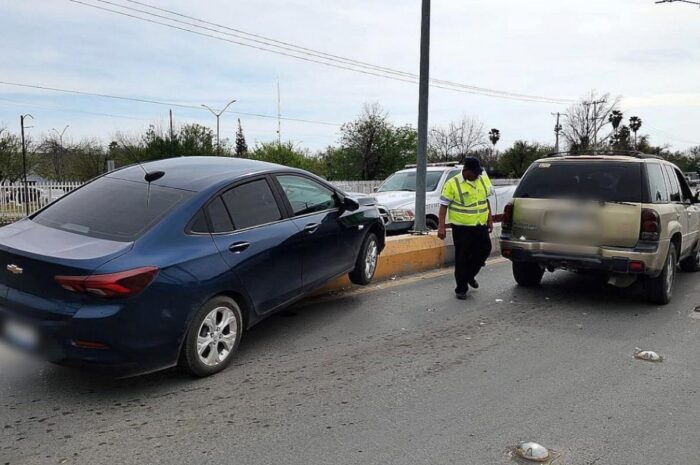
(661, 287)
(367, 260)
(692, 263)
(527, 274)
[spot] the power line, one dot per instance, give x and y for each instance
(66, 110)
(299, 49)
(157, 102)
(301, 53)
(682, 1)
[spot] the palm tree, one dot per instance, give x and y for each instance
(615, 119)
(494, 137)
(635, 125)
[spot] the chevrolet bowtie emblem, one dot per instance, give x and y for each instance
(14, 269)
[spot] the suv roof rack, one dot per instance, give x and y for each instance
(624, 153)
(444, 163)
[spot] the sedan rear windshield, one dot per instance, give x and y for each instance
(112, 209)
(595, 180)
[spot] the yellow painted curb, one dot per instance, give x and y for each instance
(403, 255)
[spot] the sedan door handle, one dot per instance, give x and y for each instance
(238, 247)
(311, 228)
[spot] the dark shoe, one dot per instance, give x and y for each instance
(474, 284)
(461, 295)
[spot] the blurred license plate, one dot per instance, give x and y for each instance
(572, 222)
(21, 334)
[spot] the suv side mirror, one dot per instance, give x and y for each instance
(696, 197)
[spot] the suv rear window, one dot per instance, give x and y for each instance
(595, 180)
(112, 209)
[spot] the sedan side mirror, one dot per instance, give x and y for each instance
(350, 205)
(375, 189)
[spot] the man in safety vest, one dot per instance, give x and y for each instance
(464, 201)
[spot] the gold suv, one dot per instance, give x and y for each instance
(624, 216)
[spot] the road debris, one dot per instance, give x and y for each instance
(532, 452)
(647, 355)
(430, 310)
(499, 300)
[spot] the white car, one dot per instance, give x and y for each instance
(396, 196)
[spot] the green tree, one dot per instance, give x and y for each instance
(286, 154)
(380, 147)
(517, 159)
(88, 159)
(241, 145)
(11, 163)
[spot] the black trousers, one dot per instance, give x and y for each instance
(472, 248)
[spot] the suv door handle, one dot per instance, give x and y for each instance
(311, 228)
(238, 247)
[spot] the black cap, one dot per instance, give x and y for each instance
(472, 164)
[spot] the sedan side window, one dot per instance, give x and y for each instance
(252, 204)
(306, 196)
(220, 220)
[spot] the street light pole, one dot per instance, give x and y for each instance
(218, 115)
(24, 163)
(423, 94)
(60, 134)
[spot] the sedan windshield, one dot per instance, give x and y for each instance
(406, 181)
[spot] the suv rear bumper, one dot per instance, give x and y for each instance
(610, 259)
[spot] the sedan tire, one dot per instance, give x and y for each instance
(213, 337)
(366, 263)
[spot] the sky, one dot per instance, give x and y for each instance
(647, 54)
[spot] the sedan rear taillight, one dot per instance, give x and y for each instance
(651, 225)
(113, 285)
(507, 221)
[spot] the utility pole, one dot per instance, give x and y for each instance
(279, 115)
(60, 134)
(423, 95)
(172, 135)
(557, 130)
(24, 162)
(218, 115)
(595, 121)
(58, 165)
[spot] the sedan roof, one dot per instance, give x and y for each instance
(196, 173)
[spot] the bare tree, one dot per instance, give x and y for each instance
(456, 140)
(587, 120)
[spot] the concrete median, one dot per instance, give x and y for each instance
(405, 255)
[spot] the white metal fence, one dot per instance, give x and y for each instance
(360, 187)
(15, 202)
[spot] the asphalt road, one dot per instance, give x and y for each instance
(402, 374)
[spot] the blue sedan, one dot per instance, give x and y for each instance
(167, 263)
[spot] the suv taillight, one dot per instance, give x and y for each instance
(507, 222)
(114, 285)
(651, 225)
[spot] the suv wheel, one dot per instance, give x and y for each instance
(527, 274)
(431, 224)
(213, 338)
(366, 263)
(692, 263)
(661, 287)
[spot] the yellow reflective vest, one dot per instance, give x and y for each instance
(467, 201)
